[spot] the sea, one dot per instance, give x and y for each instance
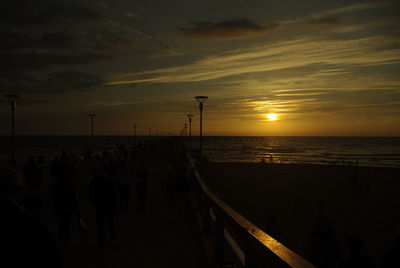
(364, 151)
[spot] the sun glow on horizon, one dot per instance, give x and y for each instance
(272, 117)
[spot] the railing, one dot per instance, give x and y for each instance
(253, 247)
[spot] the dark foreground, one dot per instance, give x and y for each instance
(156, 229)
(291, 201)
(162, 235)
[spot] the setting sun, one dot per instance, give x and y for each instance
(272, 117)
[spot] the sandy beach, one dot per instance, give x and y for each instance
(362, 201)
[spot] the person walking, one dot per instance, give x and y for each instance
(141, 186)
(102, 194)
(66, 205)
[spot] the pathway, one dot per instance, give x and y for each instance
(165, 235)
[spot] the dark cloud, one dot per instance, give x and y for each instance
(105, 43)
(39, 36)
(45, 13)
(38, 61)
(322, 21)
(45, 26)
(51, 83)
(231, 29)
(25, 101)
(73, 80)
(20, 41)
(28, 101)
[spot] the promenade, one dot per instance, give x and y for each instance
(164, 235)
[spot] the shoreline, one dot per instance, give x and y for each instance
(289, 164)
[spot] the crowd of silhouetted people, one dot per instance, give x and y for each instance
(116, 180)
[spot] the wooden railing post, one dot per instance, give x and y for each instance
(256, 248)
(219, 239)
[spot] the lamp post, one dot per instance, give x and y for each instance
(190, 129)
(13, 102)
(201, 100)
(92, 116)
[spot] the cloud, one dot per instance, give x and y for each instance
(113, 103)
(319, 103)
(27, 13)
(356, 8)
(322, 21)
(38, 61)
(129, 14)
(22, 41)
(351, 9)
(26, 101)
(52, 83)
(43, 26)
(38, 36)
(366, 51)
(230, 29)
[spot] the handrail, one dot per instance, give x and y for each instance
(285, 256)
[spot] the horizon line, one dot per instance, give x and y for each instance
(145, 135)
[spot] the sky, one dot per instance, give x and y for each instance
(324, 68)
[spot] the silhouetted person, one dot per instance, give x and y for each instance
(180, 178)
(33, 174)
(102, 194)
(33, 202)
(64, 156)
(356, 260)
(88, 154)
(325, 246)
(97, 162)
(141, 186)
(124, 180)
(24, 240)
(54, 168)
(66, 205)
(392, 258)
(33, 178)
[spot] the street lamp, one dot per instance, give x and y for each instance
(92, 116)
(13, 102)
(190, 129)
(201, 100)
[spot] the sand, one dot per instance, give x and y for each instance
(362, 200)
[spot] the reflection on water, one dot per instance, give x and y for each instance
(367, 151)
